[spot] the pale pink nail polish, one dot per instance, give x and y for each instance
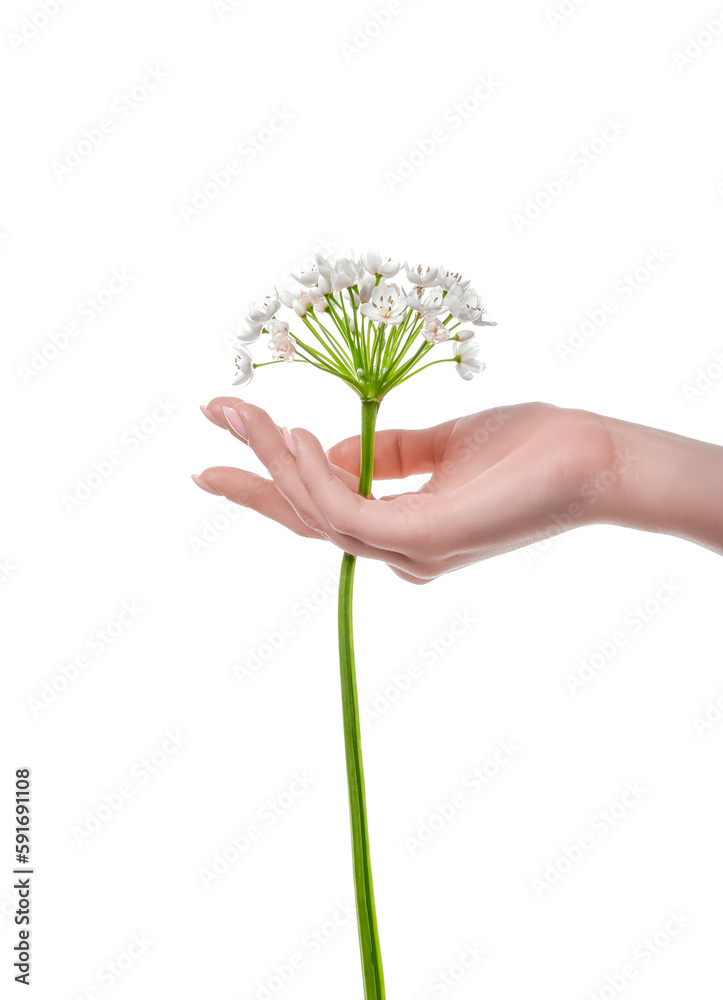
(233, 419)
(207, 413)
(286, 434)
(201, 482)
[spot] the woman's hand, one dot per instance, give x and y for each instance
(499, 479)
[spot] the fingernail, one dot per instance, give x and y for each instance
(233, 419)
(207, 413)
(200, 481)
(286, 434)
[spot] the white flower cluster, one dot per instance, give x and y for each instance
(365, 328)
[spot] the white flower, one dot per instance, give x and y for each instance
(468, 364)
(308, 278)
(261, 312)
(467, 306)
(455, 298)
(280, 342)
(277, 330)
(374, 264)
(344, 273)
(436, 303)
(388, 304)
(309, 297)
(429, 303)
(447, 279)
(424, 277)
(323, 265)
(244, 367)
(284, 348)
(247, 333)
(316, 277)
(365, 289)
(434, 330)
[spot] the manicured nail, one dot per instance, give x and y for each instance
(286, 434)
(233, 419)
(207, 413)
(200, 481)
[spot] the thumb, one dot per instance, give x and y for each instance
(346, 455)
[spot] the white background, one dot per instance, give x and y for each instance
(361, 99)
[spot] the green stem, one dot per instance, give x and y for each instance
(371, 958)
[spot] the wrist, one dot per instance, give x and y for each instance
(667, 483)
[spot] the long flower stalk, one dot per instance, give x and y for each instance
(371, 958)
(377, 335)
